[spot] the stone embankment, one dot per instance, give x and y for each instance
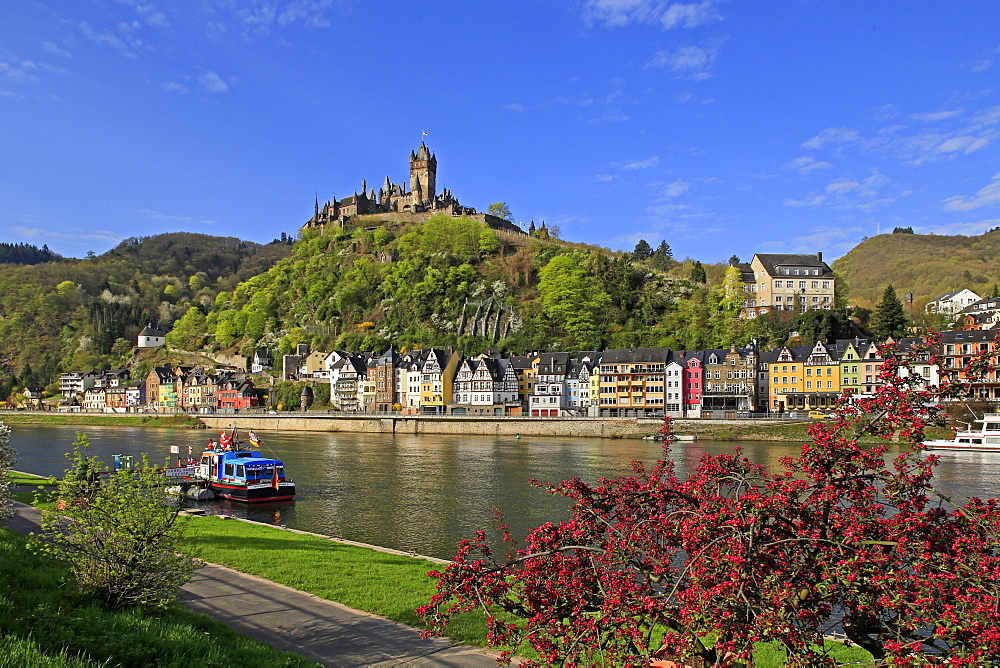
(504, 426)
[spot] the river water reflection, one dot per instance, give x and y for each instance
(425, 493)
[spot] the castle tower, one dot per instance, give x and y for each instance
(423, 175)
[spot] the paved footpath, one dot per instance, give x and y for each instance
(323, 631)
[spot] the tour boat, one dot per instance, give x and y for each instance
(235, 473)
(983, 439)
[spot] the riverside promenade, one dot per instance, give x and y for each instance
(323, 631)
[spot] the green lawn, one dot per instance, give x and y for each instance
(31, 417)
(389, 585)
(44, 623)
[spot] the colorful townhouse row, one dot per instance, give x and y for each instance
(173, 389)
(640, 382)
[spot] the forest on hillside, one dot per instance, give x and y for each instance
(425, 284)
(444, 282)
(68, 314)
(924, 265)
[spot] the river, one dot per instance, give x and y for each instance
(423, 494)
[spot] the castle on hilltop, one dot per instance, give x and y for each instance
(417, 200)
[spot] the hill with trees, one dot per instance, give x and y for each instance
(456, 282)
(925, 265)
(439, 282)
(66, 314)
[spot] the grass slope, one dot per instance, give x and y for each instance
(44, 623)
(925, 264)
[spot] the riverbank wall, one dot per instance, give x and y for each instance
(499, 426)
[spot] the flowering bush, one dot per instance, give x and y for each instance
(7, 457)
(650, 566)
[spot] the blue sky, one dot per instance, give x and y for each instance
(723, 127)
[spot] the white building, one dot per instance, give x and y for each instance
(151, 337)
(951, 303)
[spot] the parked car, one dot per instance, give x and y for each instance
(819, 415)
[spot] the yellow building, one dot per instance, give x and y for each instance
(786, 283)
(786, 377)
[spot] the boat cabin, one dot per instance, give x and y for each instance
(240, 466)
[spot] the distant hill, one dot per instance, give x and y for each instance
(65, 314)
(925, 264)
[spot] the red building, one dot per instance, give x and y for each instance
(237, 394)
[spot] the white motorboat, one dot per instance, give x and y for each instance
(985, 438)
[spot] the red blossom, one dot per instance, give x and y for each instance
(648, 566)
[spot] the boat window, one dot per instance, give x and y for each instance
(240, 473)
(991, 426)
(244, 455)
(228, 468)
(206, 460)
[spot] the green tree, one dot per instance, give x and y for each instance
(889, 318)
(663, 257)
(122, 350)
(642, 250)
(571, 300)
(120, 534)
(501, 210)
(188, 333)
(698, 273)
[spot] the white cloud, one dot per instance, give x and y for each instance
(935, 116)
(834, 137)
(676, 188)
(815, 200)
(944, 135)
(55, 50)
(310, 12)
(213, 83)
(964, 144)
(155, 215)
(986, 196)
(689, 61)
(173, 87)
(19, 72)
(807, 165)
(634, 165)
(667, 15)
(147, 12)
(122, 41)
(981, 65)
(970, 228)
(514, 106)
(885, 112)
(260, 17)
(71, 235)
(604, 178)
(842, 186)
